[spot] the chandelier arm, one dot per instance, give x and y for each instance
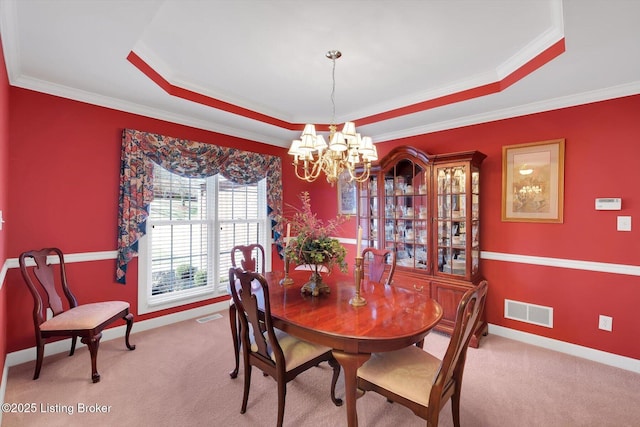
(316, 168)
(363, 176)
(298, 173)
(295, 164)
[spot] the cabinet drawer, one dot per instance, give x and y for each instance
(412, 282)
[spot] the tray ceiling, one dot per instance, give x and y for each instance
(257, 69)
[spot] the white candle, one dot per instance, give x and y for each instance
(286, 242)
(359, 247)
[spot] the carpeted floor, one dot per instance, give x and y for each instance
(178, 376)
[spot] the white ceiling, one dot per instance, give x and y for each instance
(267, 57)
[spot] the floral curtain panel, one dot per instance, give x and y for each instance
(189, 159)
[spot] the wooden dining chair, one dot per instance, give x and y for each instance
(251, 254)
(70, 319)
(421, 381)
(379, 264)
(274, 352)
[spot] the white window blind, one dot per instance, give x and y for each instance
(193, 224)
(242, 215)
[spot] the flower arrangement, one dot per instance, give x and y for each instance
(312, 243)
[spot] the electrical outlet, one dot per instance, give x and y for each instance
(605, 323)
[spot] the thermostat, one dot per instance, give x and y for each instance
(609, 204)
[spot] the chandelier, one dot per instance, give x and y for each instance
(347, 149)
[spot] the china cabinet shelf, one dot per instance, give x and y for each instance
(426, 208)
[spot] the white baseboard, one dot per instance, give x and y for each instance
(63, 346)
(600, 356)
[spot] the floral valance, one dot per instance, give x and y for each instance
(140, 150)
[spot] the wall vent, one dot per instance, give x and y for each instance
(209, 318)
(530, 313)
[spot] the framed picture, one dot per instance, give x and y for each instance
(346, 195)
(533, 181)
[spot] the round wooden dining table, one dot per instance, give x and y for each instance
(392, 318)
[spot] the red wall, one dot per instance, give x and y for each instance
(4, 188)
(601, 157)
(64, 174)
(64, 187)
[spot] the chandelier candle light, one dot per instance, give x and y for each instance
(347, 150)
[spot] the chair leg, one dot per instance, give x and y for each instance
(455, 409)
(129, 319)
(39, 356)
(233, 321)
(282, 393)
(247, 385)
(334, 379)
(93, 342)
(74, 340)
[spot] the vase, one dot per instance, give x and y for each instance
(315, 286)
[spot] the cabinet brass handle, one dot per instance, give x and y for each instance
(418, 288)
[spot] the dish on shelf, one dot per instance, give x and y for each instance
(406, 262)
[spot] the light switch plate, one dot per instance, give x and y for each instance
(624, 223)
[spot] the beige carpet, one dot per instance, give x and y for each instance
(178, 376)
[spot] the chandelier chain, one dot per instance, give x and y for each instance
(333, 90)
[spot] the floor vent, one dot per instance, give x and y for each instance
(530, 313)
(209, 318)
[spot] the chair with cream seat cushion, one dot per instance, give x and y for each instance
(273, 351)
(69, 319)
(421, 381)
(251, 254)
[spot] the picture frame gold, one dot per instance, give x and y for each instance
(533, 182)
(346, 195)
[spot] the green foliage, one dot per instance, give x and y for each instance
(185, 271)
(200, 278)
(312, 243)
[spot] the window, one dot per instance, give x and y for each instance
(193, 224)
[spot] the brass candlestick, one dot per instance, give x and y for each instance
(287, 280)
(357, 300)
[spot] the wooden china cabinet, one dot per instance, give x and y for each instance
(427, 209)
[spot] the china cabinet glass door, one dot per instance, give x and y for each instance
(475, 220)
(457, 231)
(405, 215)
(368, 215)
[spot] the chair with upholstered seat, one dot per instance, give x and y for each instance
(69, 319)
(379, 264)
(421, 381)
(251, 254)
(274, 352)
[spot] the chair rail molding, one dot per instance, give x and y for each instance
(68, 258)
(632, 270)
